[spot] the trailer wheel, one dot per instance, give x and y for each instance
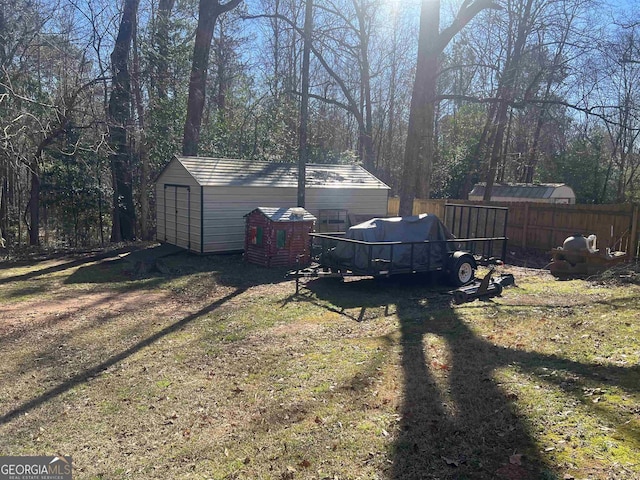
(462, 272)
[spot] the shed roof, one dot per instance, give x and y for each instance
(294, 214)
(518, 190)
(249, 173)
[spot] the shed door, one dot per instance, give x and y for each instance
(177, 210)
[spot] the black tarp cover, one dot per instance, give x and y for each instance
(417, 228)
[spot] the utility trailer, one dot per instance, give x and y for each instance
(469, 236)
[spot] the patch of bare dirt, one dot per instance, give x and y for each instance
(63, 312)
(521, 271)
(522, 257)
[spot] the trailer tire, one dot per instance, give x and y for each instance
(463, 271)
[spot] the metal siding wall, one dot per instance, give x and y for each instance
(225, 208)
(356, 200)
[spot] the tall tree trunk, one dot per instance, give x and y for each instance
(389, 151)
(208, 14)
(532, 159)
(143, 147)
(124, 217)
(303, 151)
(4, 190)
(162, 44)
(420, 146)
(222, 76)
(34, 203)
(421, 113)
(366, 126)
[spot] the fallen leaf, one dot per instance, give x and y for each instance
(440, 366)
(226, 452)
(515, 459)
(304, 463)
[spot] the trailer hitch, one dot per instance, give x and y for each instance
(487, 287)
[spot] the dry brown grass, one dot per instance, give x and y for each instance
(218, 371)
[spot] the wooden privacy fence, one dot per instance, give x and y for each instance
(544, 226)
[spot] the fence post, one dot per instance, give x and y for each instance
(525, 227)
(634, 231)
(553, 225)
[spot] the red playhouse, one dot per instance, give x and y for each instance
(278, 237)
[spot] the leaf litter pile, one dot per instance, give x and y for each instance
(213, 368)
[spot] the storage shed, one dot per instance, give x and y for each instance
(526, 192)
(201, 202)
(278, 237)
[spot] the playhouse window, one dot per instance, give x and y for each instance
(255, 235)
(281, 238)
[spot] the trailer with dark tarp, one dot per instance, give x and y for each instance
(469, 236)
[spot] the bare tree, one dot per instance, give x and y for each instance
(506, 92)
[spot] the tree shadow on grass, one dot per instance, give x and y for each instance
(94, 371)
(224, 270)
(457, 419)
(71, 262)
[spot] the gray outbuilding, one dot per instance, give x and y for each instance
(201, 202)
(558, 193)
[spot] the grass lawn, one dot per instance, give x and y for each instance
(215, 369)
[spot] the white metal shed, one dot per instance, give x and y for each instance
(526, 192)
(201, 202)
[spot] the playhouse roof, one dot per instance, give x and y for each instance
(294, 214)
(249, 173)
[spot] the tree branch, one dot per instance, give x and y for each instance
(520, 104)
(353, 105)
(467, 11)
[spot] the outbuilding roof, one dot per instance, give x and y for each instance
(518, 190)
(294, 214)
(249, 173)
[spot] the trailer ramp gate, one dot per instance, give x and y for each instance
(479, 221)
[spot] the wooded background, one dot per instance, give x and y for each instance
(95, 98)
